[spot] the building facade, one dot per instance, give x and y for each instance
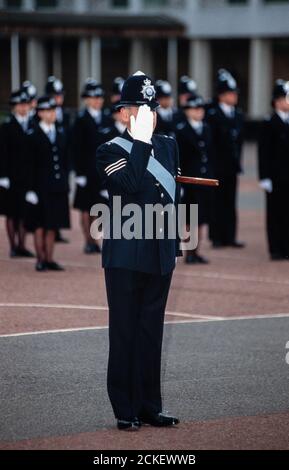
(75, 39)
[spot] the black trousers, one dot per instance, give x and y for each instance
(137, 304)
(224, 218)
(278, 219)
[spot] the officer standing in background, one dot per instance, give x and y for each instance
(47, 192)
(91, 129)
(166, 111)
(117, 85)
(274, 171)
(54, 88)
(195, 145)
(31, 91)
(226, 121)
(138, 272)
(13, 181)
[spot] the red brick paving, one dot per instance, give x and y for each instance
(245, 433)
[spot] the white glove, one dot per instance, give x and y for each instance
(32, 198)
(267, 185)
(104, 193)
(5, 183)
(81, 181)
(143, 126)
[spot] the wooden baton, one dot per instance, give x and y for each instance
(197, 181)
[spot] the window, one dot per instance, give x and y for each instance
(237, 1)
(155, 3)
(13, 4)
(119, 3)
(46, 4)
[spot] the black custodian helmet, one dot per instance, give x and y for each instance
(138, 90)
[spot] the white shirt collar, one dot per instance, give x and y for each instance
(197, 125)
(227, 109)
(120, 126)
(95, 113)
(46, 127)
(21, 119)
(284, 116)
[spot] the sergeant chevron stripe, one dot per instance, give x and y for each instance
(162, 175)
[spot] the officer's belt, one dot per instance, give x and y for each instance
(162, 175)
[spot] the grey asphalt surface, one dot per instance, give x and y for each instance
(55, 384)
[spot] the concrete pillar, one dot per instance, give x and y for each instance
(80, 6)
(36, 63)
(15, 62)
(141, 56)
(200, 66)
(172, 64)
(95, 58)
(28, 5)
(84, 69)
(57, 59)
(135, 5)
(260, 77)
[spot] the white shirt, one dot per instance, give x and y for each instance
(22, 120)
(59, 114)
(197, 125)
(282, 115)
(120, 127)
(228, 110)
(165, 113)
(47, 128)
(95, 114)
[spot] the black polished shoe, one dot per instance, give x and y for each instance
(92, 249)
(40, 267)
(217, 245)
(23, 253)
(202, 260)
(196, 259)
(130, 426)
(236, 245)
(13, 253)
(159, 420)
(54, 266)
(277, 257)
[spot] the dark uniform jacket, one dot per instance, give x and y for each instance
(274, 150)
(14, 153)
(47, 162)
(196, 150)
(87, 136)
(127, 176)
(227, 136)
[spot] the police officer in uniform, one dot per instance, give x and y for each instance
(55, 89)
(138, 272)
(47, 193)
(31, 91)
(13, 181)
(166, 111)
(274, 171)
(186, 87)
(226, 121)
(92, 128)
(195, 145)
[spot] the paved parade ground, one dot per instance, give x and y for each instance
(224, 369)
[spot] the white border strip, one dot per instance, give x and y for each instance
(196, 320)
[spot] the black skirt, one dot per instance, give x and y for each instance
(51, 213)
(202, 197)
(86, 198)
(12, 203)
